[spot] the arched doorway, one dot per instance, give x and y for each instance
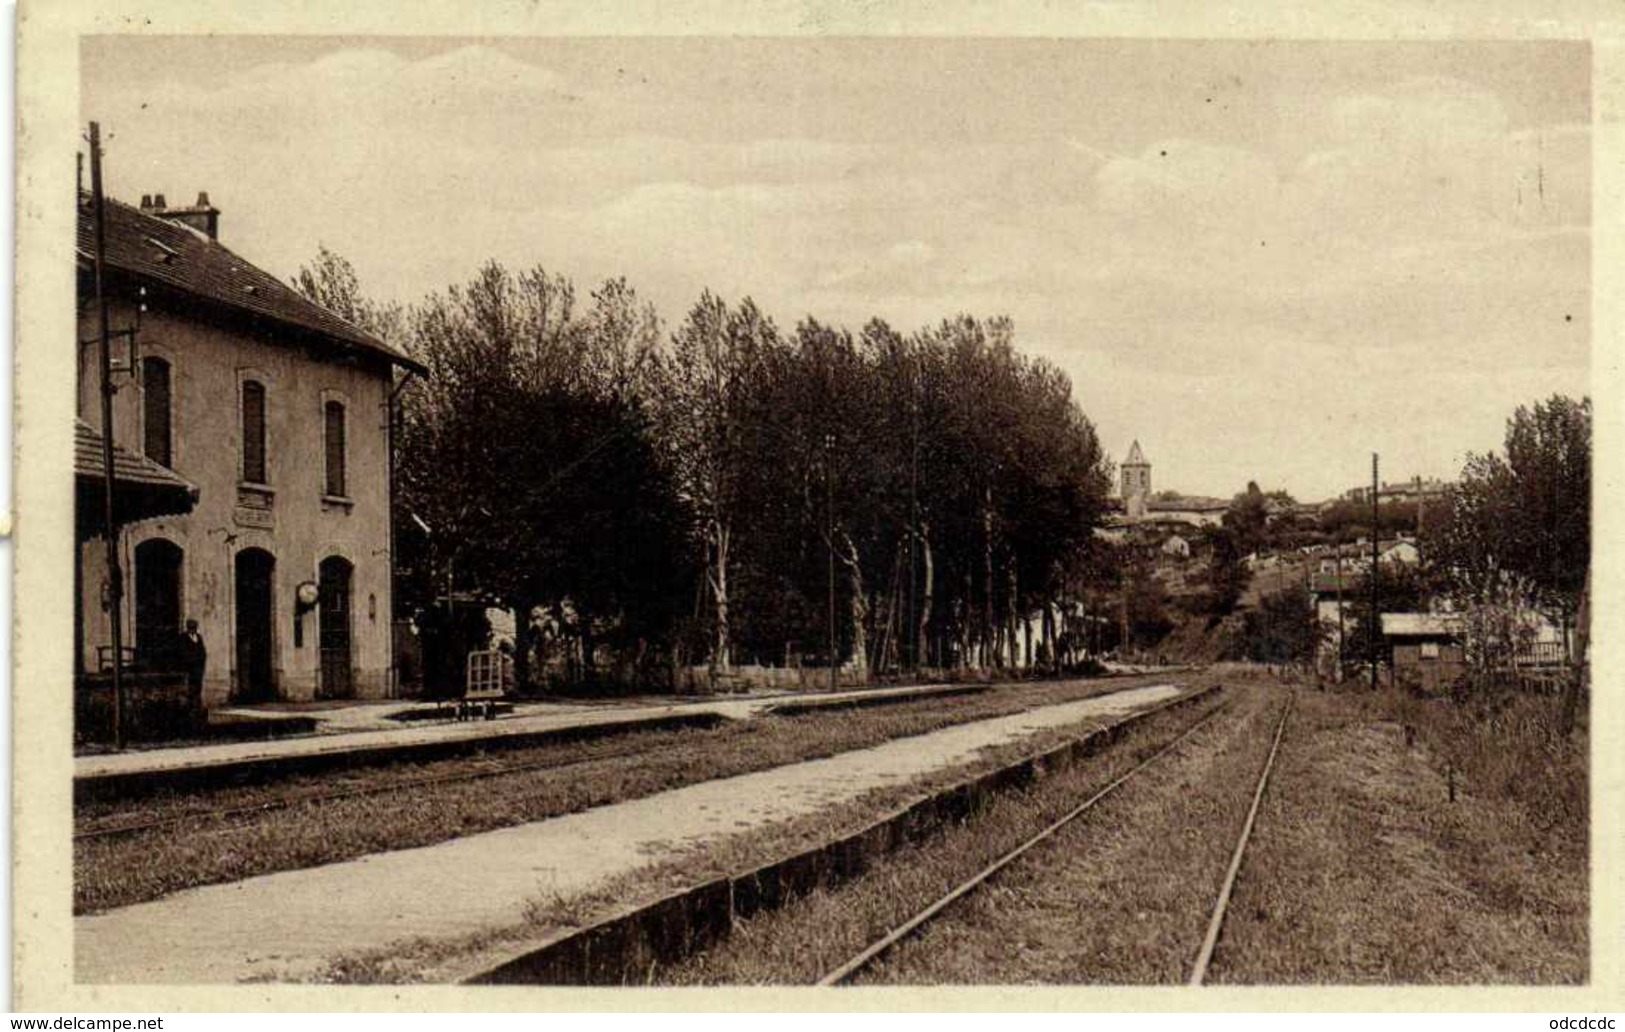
(256, 677)
(157, 602)
(333, 585)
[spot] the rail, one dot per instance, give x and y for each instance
(1221, 905)
(883, 945)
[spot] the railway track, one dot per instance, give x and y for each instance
(229, 813)
(880, 947)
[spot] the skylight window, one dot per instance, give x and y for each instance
(166, 254)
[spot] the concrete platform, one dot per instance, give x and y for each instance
(290, 925)
(109, 775)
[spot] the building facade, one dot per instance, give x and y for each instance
(279, 413)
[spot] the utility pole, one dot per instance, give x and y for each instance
(829, 537)
(989, 640)
(1340, 634)
(913, 519)
(1122, 632)
(1376, 621)
(115, 576)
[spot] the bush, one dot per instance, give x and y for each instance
(1508, 747)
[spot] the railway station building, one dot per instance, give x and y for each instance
(276, 414)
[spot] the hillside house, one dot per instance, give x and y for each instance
(276, 413)
(1398, 553)
(1190, 510)
(1332, 595)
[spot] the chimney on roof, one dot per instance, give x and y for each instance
(202, 216)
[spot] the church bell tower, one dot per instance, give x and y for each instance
(1136, 482)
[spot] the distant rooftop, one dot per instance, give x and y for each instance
(1420, 625)
(1185, 503)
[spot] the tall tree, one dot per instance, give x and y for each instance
(1247, 519)
(1284, 629)
(1227, 574)
(331, 281)
(530, 458)
(1518, 530)
(709, 398)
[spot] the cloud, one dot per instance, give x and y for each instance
(368, 75)
(1418, 113)
(480, 69)
(1184, 181)
(1309, 255)
(353, 103)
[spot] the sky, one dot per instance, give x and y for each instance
(1264, 261)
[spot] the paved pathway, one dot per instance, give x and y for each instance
(289, 925)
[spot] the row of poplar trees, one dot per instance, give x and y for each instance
(730, 490)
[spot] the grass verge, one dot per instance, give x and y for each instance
(1363, 870)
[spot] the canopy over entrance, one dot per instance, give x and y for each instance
(142, 489)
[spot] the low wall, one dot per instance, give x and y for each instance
(157, 706)
(867, 701)
(750, 677)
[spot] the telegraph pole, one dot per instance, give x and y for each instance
(1340, 634)
(913, 520)
(115, 576)
(1376, 621)
(829, 537)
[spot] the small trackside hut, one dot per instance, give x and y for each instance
(1426, 650)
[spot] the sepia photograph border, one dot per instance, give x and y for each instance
(48, 134)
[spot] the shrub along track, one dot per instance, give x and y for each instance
(1119, 888)
(132, 852)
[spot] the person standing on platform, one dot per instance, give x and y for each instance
(194, 659)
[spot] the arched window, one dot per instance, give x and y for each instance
(155, 411)
(253, 432)
(334, 437)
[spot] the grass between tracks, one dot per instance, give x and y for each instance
(1362, 869)
(448, 960)
(132, 868)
